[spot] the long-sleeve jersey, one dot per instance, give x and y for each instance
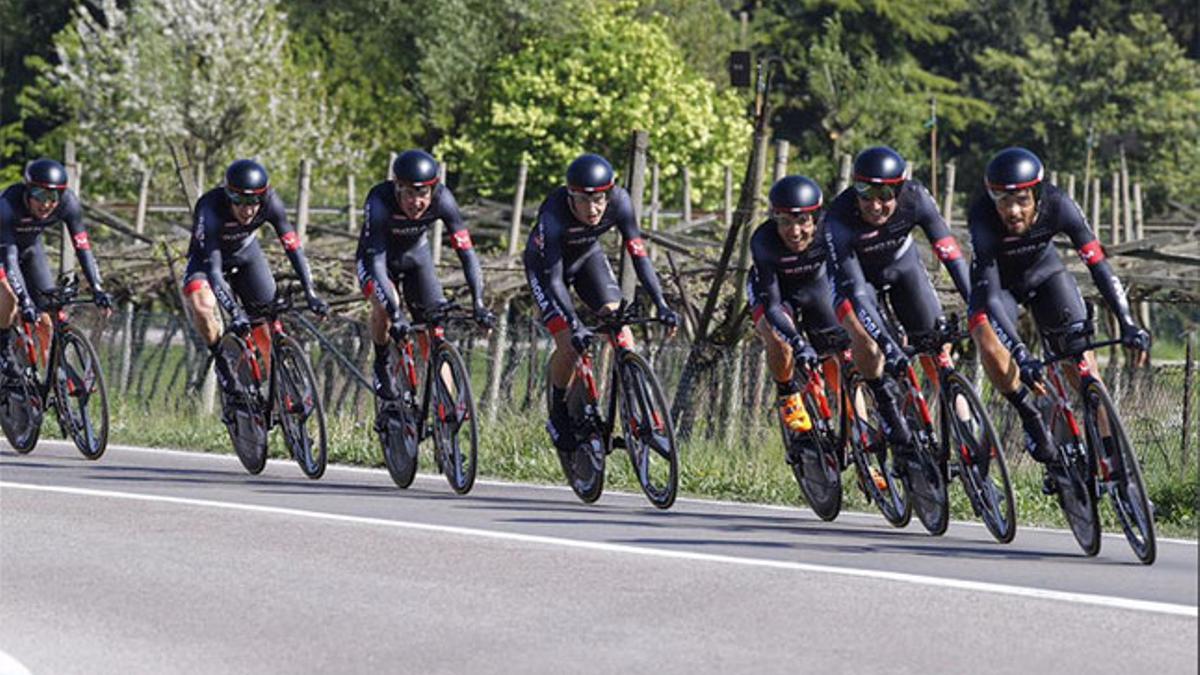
(389, 233)
(20, 232)
(780, 273)
(859, 253)
(559, 240)
(218, 239)
(1022, 263)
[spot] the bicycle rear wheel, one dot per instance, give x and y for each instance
(454, 412)
(649, 432)
(21, 412)
(398, 424)
(301, 413)
(868, 448)
(243, 412)
(979, 456)
(1121, 473)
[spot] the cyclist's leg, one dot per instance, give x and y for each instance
(597, 286)
(39, 279)
(1005, 374)
(917, 306)
(562, 359)
(868, 360)
(422, 294)
(254, 284)
(379, 322)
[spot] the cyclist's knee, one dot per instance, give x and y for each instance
(8, 304)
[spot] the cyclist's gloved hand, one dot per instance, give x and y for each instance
(317, 305)
(239, 323)
(1031, 368)
(581, 339)
(399, 329)
(1135, 338)
(895, 360)
(29, 313)
(803, 352)
(484, 317)
(102, 299)
(668, 316)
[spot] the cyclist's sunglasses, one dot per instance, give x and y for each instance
(245, 198)
(45, 195)
(884, 193)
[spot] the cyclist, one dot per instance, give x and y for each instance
(564, 250)
(1012, 227)
(868, 231)
(27, 208)
(393, 247)
(225, 258)
(788, 281)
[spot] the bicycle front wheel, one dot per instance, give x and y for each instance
(398, 424)
(1120, 472)
(814, 457)
(977, 451)
(868, 448)
(455, 432)
(79, 394)
(649, 433)
(301, 413)
(243, 411)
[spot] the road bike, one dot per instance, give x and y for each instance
(1096, 458)
(635, 395)
(72, 383)
(439, 404)
(969, 447)
(284, 394)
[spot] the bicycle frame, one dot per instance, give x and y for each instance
(435, 333)
(59, 321)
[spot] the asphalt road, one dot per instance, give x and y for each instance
(158, 561)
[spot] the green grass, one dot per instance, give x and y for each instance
(515, 447)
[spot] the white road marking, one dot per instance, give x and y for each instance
(433, 477)
(922, 580)
(11, 666)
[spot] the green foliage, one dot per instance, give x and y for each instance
(586, 90)
(1137, 82)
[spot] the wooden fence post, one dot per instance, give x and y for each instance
(655, 206)
(302, 200)
(687, 196)
(139, 223)
(637, 194)
(514, 226)
(1139, 232)
(1126, 202)
(497, 351)
(351, 204)
(948, 202)
(1095, 195)
(438, 225)
(66, 260)
(843, 175)
(391, 161)
(1116, 208)
(1185, 428)
(1071, 186)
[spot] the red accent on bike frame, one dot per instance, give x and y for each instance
(369, 289)
(817, 388)
(1072, 423)
(633, 426)
(29, 348)
(441, 411)
(255, 370)
(658, 423)
(758, 312)
(277, 327)
(922, 407)
(439, 332)
(62, 316)
(943, 360)
(1085, 370)
(966, 455)
(1104, 470)
(3, 274)
(584, 369)
(410, 368)
(624, 338)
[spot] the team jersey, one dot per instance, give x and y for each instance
(21, 233)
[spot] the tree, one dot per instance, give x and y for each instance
(213, 78)
(587, 89)
(1135, 83)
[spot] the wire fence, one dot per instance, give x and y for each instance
(155, 360)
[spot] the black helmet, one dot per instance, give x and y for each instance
(416, 168)
(246, 177)
(795, 194)
(46, 173)
(1013, 169)
(879, 165)
(589, 173)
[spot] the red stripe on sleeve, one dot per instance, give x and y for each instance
(461, 241)
(81, 241)
(195, 285)
(977, 319)
(1092, 253)
(290, 241)
(557, 324)
(636, 247)
(845, 309)
(947, 249)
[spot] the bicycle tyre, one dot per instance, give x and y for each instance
(649, 431)
(243, 413)
(298, 401)
(816, 464)
(79, 377)
(398, 424)
(868, 449)
(21, 413)
(1128, 498)
(994, 503)
(583, 465)
(451, 413)
(925, 479)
